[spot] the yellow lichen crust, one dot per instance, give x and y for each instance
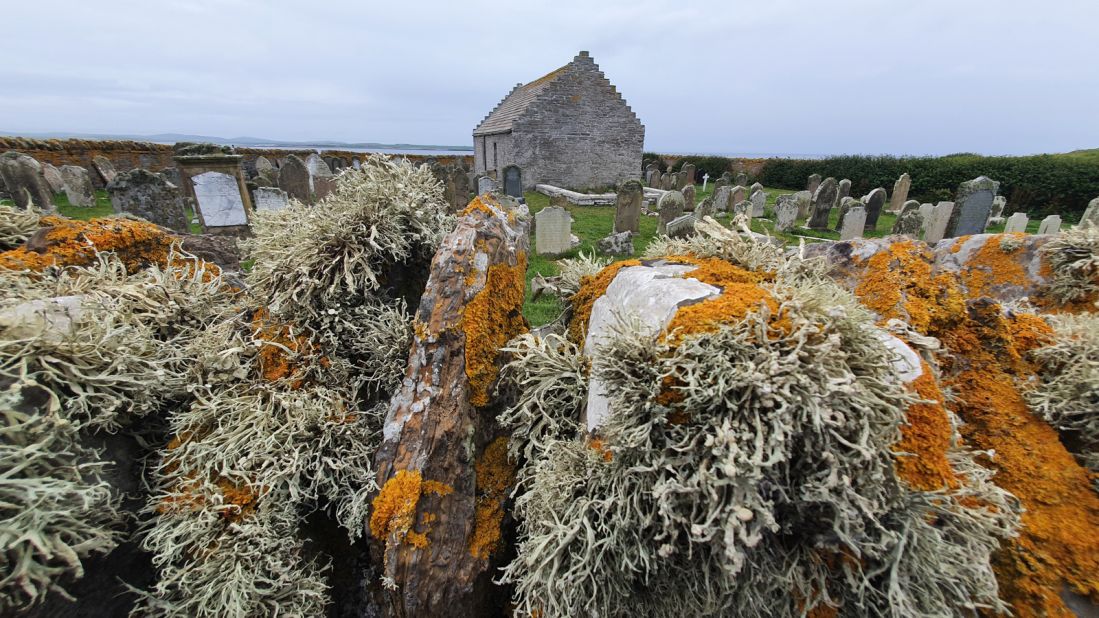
(394, 508)
(495, 478)
(492, 318)
(897, 283)
(592, 288)
(68, 242)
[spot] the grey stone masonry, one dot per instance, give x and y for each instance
(571, 128)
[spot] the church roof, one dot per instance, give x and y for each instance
(517, 102)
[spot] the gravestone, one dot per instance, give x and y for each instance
(739, 194)
(650, 169)
(821, 208)
(705, 208)
(744, 209)
(755, 187)
(759, 202)
(317, 166)
(53, 178)
(657, 179)
(620, 243)
(908, 221)
(1050, 225)
(513, 181)
(846, 204)
(627, 207)
(681, 227)
(721, 182)
(149, 196)
(1016, 223)
(485, 185)
(356, 163)
(844, 190)
(270, 198)
(25, 181)
(936, 224)
(78, 185)
(456, 189)
(689, 171)
(728, 178)
(971, 207)
(874, 202)
(552, 231)
(925, 216)
(721, 198)
(295, 180)
(215, 184)
(900, 193)
(804, 199)
(689, 197)
(786, 213)
(742, 178)
(1091, 214)
(998, 204)
(669, 206)
(104, 168)
(813, 184)
(853, 222)
(263, 166)
(681, 180)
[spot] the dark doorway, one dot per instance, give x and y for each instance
(513, 181)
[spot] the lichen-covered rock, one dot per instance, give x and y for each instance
(25, 181)
(149, 196)
(77, 184)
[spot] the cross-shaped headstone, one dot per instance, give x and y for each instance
(705, 179)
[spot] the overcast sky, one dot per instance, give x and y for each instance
(781, 76)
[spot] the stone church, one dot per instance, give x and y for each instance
(570, 128)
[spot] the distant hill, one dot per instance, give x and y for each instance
(171, 138)
(1091, 154)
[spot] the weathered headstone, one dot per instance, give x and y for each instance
(908, 221)
(689, 171)
(844, 190)
(263, 165)
(620, 243)
(705, 208)
(755, 187)
(1091, 214)
(295, 180)
(25, 181)
(804, 199)
(971, 207)
(104, 168)
(739, 194)
(786, 213)
(149, 196)
(925, 216)
(823, 200)
(78, 185)
(742, 179)
(998, 204)
(721, 198)
(656, 181)
(813, 184)
(1050, 225)
(552, 230)
(874, 202)
(53, 178)
(270, 198)
(853, 222)
(721, 182)
(627, 207)
(669, 206)
(1016, 223)
(845, 205)
(456, 189)
(900, 193)
(744, 208)
(936, 225)
(486, 185)
(759, 202)
(317, 165)
(650, 169)
(681, 227)
(215, 184)
(689, 197)
(356, 163)
(681, 180)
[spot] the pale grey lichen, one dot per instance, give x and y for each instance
(16, 225)
(1074, 258)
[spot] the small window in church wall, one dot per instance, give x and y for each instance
(495, 163)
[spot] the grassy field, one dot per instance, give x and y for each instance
(102, 208)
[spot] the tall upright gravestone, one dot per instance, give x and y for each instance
(215, 184)
(78, 185)
(150, 196)
(552, 231)
(900, 193)
(1091, 214)
(971, 207)
(821, 208)
(854, 221)
(844, 190)
(689, 169)
(936, 224)
(874, 203)
(689, 197)
(813, 184)
(294, 178)
(670, 207)
(25, 181)
(627, 207)
(786, 213)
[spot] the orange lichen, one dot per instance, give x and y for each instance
(69, 242)
(600, 446)
(495, 478)
(238, 501)
(925, 438)
(994, 265)
(394, 508)
(740, 295)
(280, 349)
(478, 205)
(896, 282)
(591, 288)
(492, 318)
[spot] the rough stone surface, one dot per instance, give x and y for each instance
(147, 195)
(925, 215)
(294, 178)
(689, 197)
(669, 206)
(844, 190)
(263, 165)
(456, 188)
(317, 166)
(908, 221)
(552, 231)
(759, 202)
(218, 249)
(25, 181)
(627, 207)
(53, 178)
(721, 197)
(689, 170)
(936, 224)
(270, 198)
(900, 193)
(853, 222)
(813, 184)
(104, 168)
(1050, 225)
(998, 204)
(682, 226)
(874, 203)
(786, 213)
(220, 203)
(1091, 213)
(705, 208)
(486, 185)
(1016, 223)
(804, 199)
(738, 194)
(620, 243)
(742, 179)
(971, 207)
(845, 205)
(78, 185)
(821, 208)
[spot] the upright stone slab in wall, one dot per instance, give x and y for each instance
(294, 178)
(627, 207)
(971, 207)
(149, 196)
(821, 208)
(786, 213)
(874, 203)
(1016, 223)
(853, 222)
(78, 185)
(900, 193)
(270, 198)
(552, 231)
(759, 202)
(813, 184)
(219, 200)
(1050, 225)
(936, 225)
(25, 181)
(669, 206)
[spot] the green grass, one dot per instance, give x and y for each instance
(103, 208)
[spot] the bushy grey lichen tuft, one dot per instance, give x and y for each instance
(744, 470)
(1074, 258)
(16, 225)
(1067, 392)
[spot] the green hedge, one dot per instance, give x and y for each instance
(1038, 185)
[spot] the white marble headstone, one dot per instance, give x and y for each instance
(936, 226)
(853, 223)
(1050, 225)
(219, 199)
(1016, 223)
(270, 198)
(552, 229)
